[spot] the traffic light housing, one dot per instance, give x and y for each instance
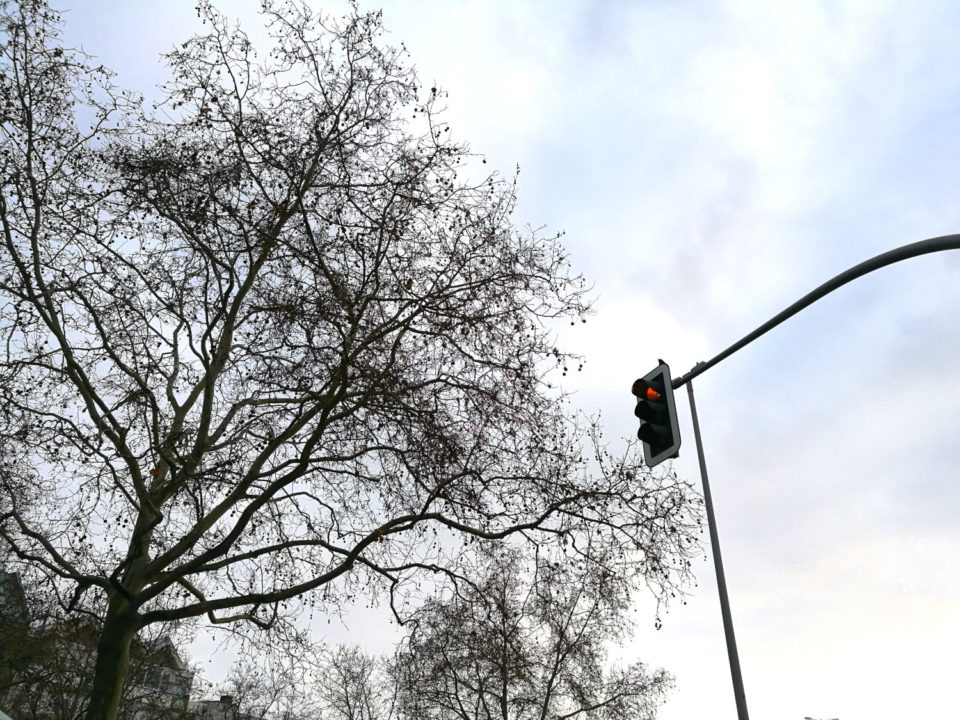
(659, 429)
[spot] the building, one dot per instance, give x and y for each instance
(14, 629)
(46, 668)
(163, 680)
(223, 709)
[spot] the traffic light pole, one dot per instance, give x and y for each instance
(732, 654)
(924, 247)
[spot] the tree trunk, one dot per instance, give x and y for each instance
(113, 660)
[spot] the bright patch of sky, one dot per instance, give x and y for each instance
(711, 163)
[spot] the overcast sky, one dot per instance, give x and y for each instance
(711, 162)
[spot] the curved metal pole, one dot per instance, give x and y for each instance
(924, 247)
(937, 244)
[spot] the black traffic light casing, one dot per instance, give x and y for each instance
(659, 429)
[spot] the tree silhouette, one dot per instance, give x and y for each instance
(265, 348)
(524, 644)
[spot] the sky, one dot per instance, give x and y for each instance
(710, 163)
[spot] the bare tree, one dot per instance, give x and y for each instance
(308, 681)
(275, 686)
(264, 348)
(355, 685)
(525, 644)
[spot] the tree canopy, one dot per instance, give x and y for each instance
(526, 642)
(265, 345)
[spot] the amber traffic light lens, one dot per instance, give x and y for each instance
(643, 390)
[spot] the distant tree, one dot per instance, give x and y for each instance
(355, 685)
(265, 348)
(308, 681)
(525, 644)
(274, 686)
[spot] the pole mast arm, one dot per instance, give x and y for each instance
(923, 247)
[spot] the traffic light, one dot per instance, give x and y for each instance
(659, 429)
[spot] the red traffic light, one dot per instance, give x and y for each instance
(655, 408)
(642, 389)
